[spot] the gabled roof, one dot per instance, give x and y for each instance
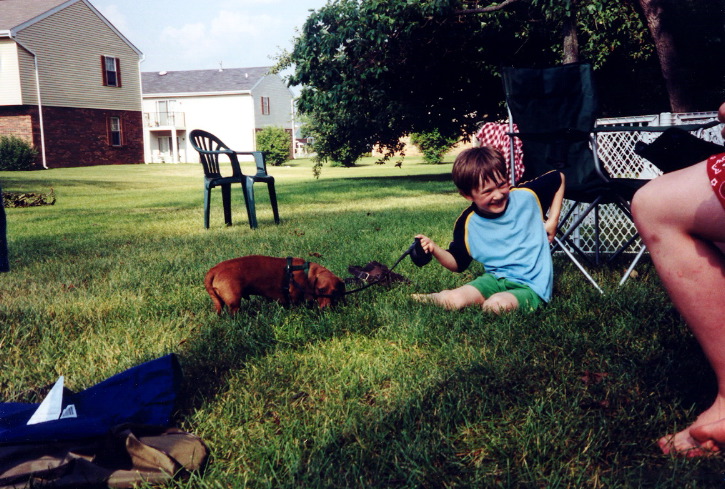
(14, 13)
(202, 81)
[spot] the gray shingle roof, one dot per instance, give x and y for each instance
(16, 12)
(226, 80)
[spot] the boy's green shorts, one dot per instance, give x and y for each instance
(488, 285)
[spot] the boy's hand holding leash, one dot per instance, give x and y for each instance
(444, 257)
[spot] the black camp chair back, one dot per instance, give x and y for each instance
(556, 111)
(210, 149)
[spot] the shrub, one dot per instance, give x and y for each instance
(275, 142)
(16, 153)
(432, 144)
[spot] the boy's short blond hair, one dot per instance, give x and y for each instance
(475, 166)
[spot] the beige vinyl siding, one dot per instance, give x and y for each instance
(69, 45)
(10, 92)
(280, 99)
(28, 82)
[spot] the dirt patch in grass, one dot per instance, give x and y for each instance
(28, 199)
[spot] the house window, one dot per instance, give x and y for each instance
(265, 106)
(114, 131)
(164, 144)
(111, 69)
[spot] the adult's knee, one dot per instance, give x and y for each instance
(646, 205)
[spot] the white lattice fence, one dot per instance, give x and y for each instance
(616, 152)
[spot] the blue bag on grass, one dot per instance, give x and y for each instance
(145, 394)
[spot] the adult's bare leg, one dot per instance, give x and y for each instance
(681, 222)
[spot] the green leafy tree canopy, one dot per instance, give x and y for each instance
(372, 71)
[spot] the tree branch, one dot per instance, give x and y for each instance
(483, 10)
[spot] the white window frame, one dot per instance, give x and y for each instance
(115, 132)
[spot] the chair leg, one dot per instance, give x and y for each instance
(273, 201)
(227, 201)
(597, 241)
(578, 265)
(624, 247)
(634, 264)
(624, 207)
(572, 227)
(207, 205)
(248, 187)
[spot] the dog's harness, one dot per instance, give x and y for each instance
(289, 278)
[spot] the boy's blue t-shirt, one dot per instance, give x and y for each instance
(512, 245)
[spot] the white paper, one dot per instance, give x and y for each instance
(50, 408)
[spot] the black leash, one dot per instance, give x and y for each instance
(383, 276)
(418, 258)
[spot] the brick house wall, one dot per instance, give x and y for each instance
(17, 121)
(76, 136)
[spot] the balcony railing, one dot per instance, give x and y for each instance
(164, 120)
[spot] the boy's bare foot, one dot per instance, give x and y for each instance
(437, 298)
(704, 437)
(422, 297)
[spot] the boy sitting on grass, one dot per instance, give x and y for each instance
(506, 230)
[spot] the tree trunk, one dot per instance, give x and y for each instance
(571, 40)
(670, 64)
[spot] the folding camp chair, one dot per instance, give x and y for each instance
(556, 111)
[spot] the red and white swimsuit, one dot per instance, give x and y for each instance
(716, 174)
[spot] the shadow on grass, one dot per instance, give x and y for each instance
(550, 428)
(228, 344)
(223, 347)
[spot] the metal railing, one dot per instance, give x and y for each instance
(164, 119)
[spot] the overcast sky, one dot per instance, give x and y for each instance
(199, 34)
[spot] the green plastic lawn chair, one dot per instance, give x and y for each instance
(210, 148)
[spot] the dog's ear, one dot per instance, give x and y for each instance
(313, 275)
(313, 281)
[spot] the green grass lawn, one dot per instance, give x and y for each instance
(381, 391)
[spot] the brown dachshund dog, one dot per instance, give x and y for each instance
(230, 281)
